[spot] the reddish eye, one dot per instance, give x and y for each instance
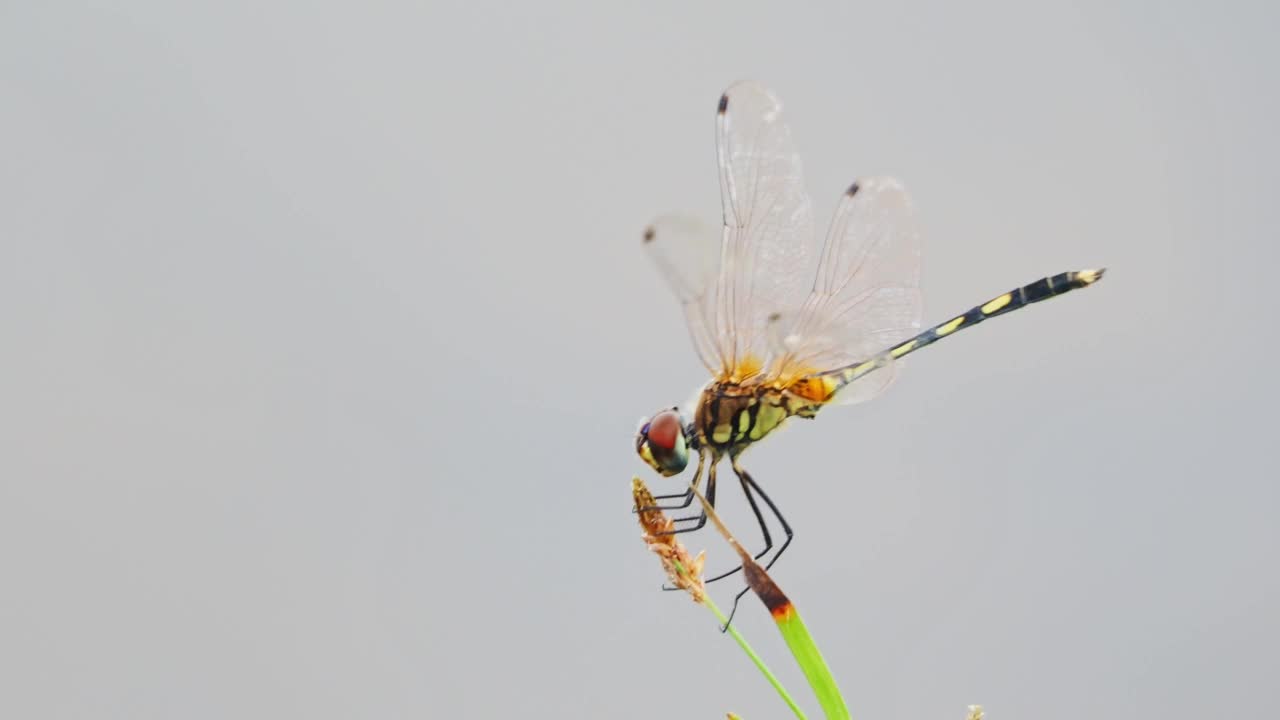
(663, 429)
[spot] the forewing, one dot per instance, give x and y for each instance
(686, 252)
(866, 296)
(768, 249)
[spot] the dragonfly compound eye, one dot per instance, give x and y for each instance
(662, 443)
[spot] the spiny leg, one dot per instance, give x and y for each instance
(687, 494)
(700, 518)
(686, 498)
(764, 527)
(786, 527)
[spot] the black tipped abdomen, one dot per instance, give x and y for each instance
(1015, 299)
(1048, 287)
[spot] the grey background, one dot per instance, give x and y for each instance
(325, 329)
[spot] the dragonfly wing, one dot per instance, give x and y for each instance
(866, 295)
(768, 249)
(686, 252)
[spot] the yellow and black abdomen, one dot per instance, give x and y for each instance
(824, 385)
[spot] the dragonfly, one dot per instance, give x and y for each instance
(787, 325)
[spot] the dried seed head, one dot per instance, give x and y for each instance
(684, 571)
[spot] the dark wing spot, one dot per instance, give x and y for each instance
(775, 317)
(648, 234)
(853, 189)
(724, 104)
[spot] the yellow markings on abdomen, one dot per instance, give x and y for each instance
(817, 389)
(996, 304)
(903, 349)
(857, 371)
(951, 326)
(1088, 277)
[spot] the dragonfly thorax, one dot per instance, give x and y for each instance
(731, 416)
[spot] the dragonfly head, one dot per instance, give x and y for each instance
(661, 443)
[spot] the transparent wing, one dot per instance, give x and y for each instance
(768, 249)
(865, 388)
(866, 295)
(686, 252)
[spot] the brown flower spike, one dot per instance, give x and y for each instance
(685, 571)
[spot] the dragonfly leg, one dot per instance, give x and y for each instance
(686, 498)
(701, 518)
(764, 527)
(687, 495)
(786, 528)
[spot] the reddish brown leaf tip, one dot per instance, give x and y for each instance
(767, 590)
(782, 612)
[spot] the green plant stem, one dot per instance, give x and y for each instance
(785, 615)
(764, 669)
(751, 653)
